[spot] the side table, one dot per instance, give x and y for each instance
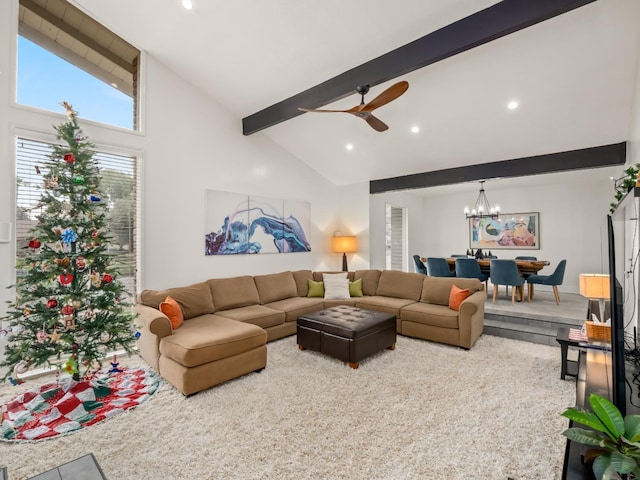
(568, 367)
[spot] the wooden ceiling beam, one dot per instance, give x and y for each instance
(494, 22)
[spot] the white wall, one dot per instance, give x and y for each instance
(189, 144)
(572, 212)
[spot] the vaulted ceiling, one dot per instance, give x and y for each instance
(572, 75)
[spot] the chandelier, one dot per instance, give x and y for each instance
(482, 208)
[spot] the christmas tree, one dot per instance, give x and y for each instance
(69, 309)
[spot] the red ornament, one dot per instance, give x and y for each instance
(94, 234)
(52, 303)
(35, 243)
(66, 278)
(67, 310)
(69, 157)
(106, 278)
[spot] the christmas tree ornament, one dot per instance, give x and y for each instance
(94, 234)
(79, 179)
(32, 289)
(81, 263)
(67, 310)
(41, 336)
(52, 303)
(57, 230)
(37, 169)
(55, 246)
(66, 278)
(51, 182)
(69, 236)
(106, 278)
(94, 198)
(15, 381)
(69, 322)
(71, 366)
(77, 304)
(105, 337)
(63, 262)
(55, 336)
(17, 329)
(35, 243)
(69, 111)
(114, 366)
(69, 157)
(21, 368)
(96, 281)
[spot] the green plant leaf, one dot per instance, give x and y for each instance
(622, 463)
(608, 414)
(585, 418)
(602, 468)
(632, 428)
(585, 437)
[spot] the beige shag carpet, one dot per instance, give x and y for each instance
(422, 411)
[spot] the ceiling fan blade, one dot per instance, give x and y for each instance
(390, 94)
(375, 123)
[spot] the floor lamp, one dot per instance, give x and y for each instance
(344, 244)
(595, 287)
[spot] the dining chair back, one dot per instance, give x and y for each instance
(505, 272)
(459, 255)
(419, 265)
(438, 267)
(526, 257)
(469, 268)
(555, 279)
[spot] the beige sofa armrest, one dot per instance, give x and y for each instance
(471, 318)
(153, 320)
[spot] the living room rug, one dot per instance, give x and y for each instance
(61, 408)
(421, 411)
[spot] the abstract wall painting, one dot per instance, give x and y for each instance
(512, 231)
(245, 224)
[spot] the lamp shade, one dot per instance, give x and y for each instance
(594, 285)
(344, 244)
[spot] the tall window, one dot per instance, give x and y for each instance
(119, 187)
(396, 238)
(64, 55)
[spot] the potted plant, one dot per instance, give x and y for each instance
(614, 440)
(625, 183)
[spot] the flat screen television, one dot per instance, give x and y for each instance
(622, 239)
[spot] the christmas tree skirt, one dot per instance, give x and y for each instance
(56, 409)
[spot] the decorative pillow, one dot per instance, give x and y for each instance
(336, 289)
(172, 310)
(316, 289)
(355, 288)
(331, 276)
(457, 296)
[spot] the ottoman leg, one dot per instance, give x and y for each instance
(391, 347)
(354, 364)
(300, 347)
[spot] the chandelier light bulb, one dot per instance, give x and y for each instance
(466, 210)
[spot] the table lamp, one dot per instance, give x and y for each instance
(344, 244)
(595, 287)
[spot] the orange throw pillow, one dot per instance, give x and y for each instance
(172, 310)
(457, 296)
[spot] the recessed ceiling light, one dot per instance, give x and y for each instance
(512, 105)
(188, 4)
(415, 129)
(349, 146)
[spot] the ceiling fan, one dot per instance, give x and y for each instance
(364, 109)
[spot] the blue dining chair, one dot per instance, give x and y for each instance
(526, 257)
(459, 255)
(438, 267)
(419, 265)
(554, 280)
(469, 268)
(505, 272)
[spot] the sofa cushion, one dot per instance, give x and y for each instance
(383, 304)
(436, 289)
(173, 311)
(259, 315)
(301, 277)
(233, 292)
(296, 306)
(276, 286)
(370, 279)
(328, 303)
(430, 314)
(394, 283)
(194, 300)
(208, 338)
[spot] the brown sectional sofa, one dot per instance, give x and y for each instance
(228, 321)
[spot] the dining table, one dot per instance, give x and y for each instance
(524, 266)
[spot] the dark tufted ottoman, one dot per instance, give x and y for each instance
(347, 333)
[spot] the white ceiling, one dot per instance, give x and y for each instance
(573, 76)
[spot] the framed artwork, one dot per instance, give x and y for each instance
(511, 231)
(247, 224)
